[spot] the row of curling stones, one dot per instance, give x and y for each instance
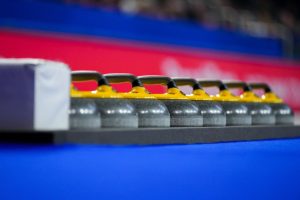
(212, 111)
(261, 113)
(268, 109)
(284, 115)
(177, 109)
(96, 109)
(240, 110)
(183, 112)
(221, 109)
(151, 112)
(100, 108)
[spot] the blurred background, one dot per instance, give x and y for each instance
(267, 18)
(251, 40)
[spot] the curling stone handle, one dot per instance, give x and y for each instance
(187, 82)
(213, 83)
(87, 75)
(263, 86)
(123, 77)
(237, 85)
(156, 79)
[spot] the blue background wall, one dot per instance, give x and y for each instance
(56, 17)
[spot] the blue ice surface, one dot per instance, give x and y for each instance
(239, 170)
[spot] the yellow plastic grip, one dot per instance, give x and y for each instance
(248, 95)
(172, 91)
(104, 90)
(269, 96)
(198, 92)
(223, 95)
(137, 91)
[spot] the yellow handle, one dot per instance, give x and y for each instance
(198, 92)
(172, 92)
(137, 92)
(104, 90)
(223, 95)
(248, 95)
(269, 96)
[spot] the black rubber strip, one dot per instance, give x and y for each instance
(153, 136)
